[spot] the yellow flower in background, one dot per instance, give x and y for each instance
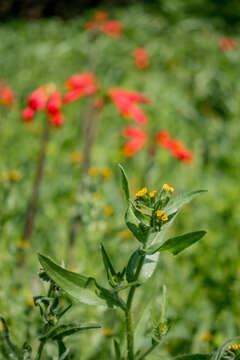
(75, 157)
(207, 336)
(141, 192)
(97, 195)
(30, 302)
(108, 332)
(106, 173)
(108, 210)
(159, 213)
(14, 175)
(125, 234)
(93, 172)
(164, 218)
(153, 193)
(23, 244)
(168, 188)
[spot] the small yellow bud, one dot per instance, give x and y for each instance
(108, 210)
(207, 336)
(159, 213)
(75, 157)
(106, 173)
(14, 175)
(234, 347)
(164, 218)
(93, 172)
(229, 347)
(153, 193)
(168, 188)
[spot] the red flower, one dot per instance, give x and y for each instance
(54, 102)
(112, 28)
(137, 140)
(140, 56)
(56, 119)
(80, 85)
(6, 94)
(227, 43)
(37, 99)
(176, 147)
(126, 103)
(28, 114)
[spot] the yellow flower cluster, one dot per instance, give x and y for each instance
(106, 173)
(234, 347)
(153, 193)
(13, 175)
(167, 187)
(141, 192)
(160, 213)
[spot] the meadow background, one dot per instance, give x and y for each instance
(195, 95)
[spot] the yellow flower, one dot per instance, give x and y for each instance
(234, 346)
(207, 336)
(108, 210)
(93, 172)
(164, 218)
(23, 244)
(108, 332)
(141, 192)
(168, 188)
(75, 157)
(106, 173)
(153, 193)
(14, 175)
(30, 302)
(125, 234)
(159, 213)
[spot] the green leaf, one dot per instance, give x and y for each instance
(61, 331)
(182, 199)
(124, 183)
(149, 266)
(179, 243)
(217, 355)
(117, 349)
(108, 265)
(112, 298)
(138, 228)
(132, 265)
(193, 357)
(78, 286)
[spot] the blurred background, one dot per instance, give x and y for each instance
(192, 80)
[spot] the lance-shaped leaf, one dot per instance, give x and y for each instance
(177, 244)
(61, 331)
(117, 349)
(124, 183)
(182, 199)
(78, 286)
(132, 265)
(108, 265)
(138, 228)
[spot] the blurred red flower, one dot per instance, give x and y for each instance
(56, 119)
(37, 100)
(80, 85)
(140, 56)
(176, 147)
(112, 28)
(127, 104)
(137, 137)
(6, 94)
(227, 43)
(28, 114)
(54, 102)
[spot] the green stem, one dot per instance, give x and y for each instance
(128, 314)
(147, 352)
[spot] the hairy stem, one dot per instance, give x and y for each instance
(128, 313)
(40, 350)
